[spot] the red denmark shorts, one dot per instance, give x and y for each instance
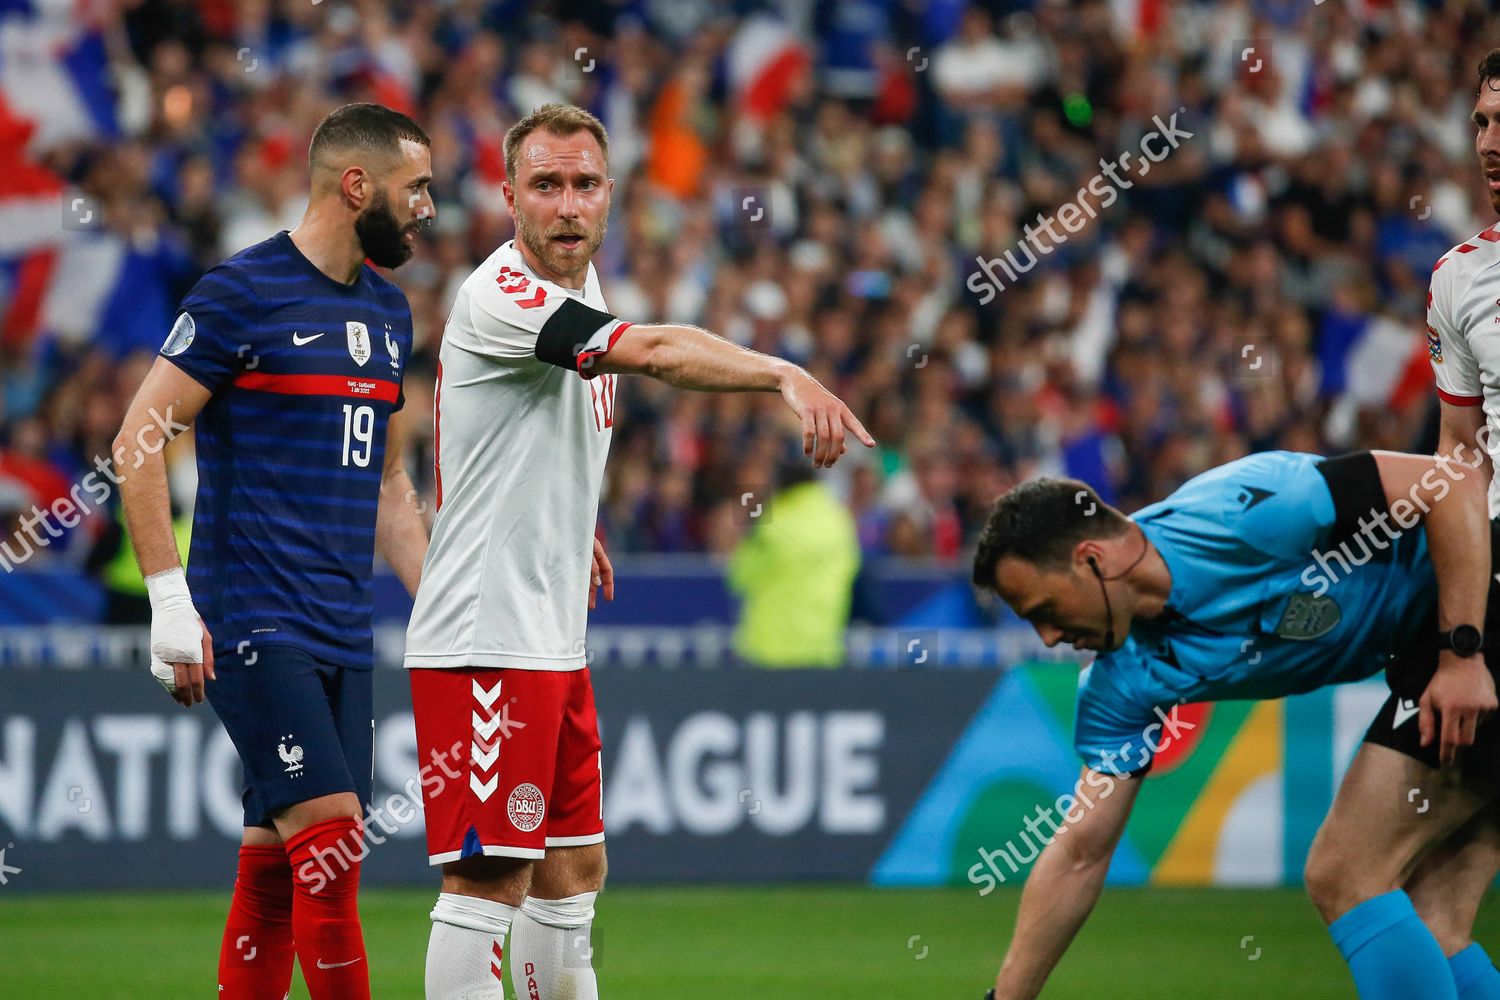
(510, 761)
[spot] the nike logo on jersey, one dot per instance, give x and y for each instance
(1405, 709)
(302, 341)
(336, 965)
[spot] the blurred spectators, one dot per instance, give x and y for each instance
(809, 177)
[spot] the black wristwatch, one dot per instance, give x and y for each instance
(1465, 640)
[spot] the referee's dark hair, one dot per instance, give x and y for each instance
(1489, 70)
(363, 128)
(1041, 522)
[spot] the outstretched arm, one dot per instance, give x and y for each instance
(1065, 883)
(692, 358)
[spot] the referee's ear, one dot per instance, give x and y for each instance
(1088, 555)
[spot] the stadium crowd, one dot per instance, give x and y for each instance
(820, 180)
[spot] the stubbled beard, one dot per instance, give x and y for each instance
(381, 235)
(541, 246)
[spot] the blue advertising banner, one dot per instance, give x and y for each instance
(897, 776)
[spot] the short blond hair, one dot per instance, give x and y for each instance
(560, 120)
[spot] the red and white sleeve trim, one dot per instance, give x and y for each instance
(1457, 399)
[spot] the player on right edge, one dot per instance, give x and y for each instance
(525, 406)
(1460, 304)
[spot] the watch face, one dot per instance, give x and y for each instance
(1466, 640)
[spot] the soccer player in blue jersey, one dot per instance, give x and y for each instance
(288, 359)
(1270, 576)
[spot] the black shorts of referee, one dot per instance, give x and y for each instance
(1408, 674)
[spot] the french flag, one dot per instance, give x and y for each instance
(1373, 362)
(766, 64)
(30, 229)
(54, 70)
(54, 88)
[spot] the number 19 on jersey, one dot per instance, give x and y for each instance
(359, 434)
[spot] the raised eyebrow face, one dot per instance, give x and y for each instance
(557, 176)
(555, 173)
(550, 164)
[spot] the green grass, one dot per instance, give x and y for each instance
(810, 942)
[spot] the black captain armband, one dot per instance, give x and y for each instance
(1354, 482)
(567, 332)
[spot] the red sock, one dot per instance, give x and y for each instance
(255, 959)
(325, 912)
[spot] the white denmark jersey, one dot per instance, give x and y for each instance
(523, 430)
(1463, 331)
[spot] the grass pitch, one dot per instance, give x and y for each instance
(690, 943)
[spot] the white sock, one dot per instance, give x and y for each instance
(551, 949)
(464, 953)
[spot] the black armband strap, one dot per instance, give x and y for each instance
(1354, 482)
(567, 332)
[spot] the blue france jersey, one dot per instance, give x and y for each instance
(1266, 602)
(305, 372)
